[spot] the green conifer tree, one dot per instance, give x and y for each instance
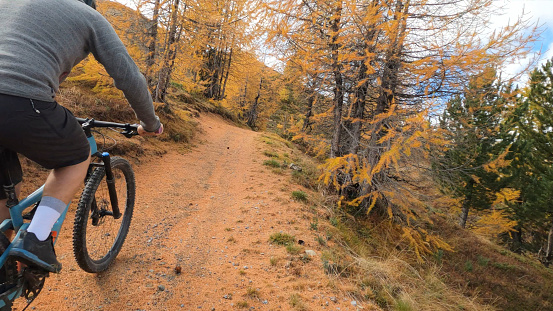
(472, 123)
(531, 132)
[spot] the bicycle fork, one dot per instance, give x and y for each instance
(110, 179)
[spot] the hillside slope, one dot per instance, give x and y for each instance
(211, 212)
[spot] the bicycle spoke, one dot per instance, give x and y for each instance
(103, 232)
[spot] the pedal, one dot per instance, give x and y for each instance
(33, 282)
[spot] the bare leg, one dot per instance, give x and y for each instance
(60, 187)
(63, 183)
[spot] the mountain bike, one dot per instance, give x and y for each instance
(101, 224)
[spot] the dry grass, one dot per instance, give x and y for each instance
(394, 283)
(195, 105)
(252, 293)
(297, 303)
(370, 261)
(372, 256)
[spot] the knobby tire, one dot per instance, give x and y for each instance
(94, 198)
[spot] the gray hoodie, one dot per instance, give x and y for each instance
(42, 40)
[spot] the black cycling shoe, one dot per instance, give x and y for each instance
(31, 251)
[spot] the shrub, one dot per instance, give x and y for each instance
(403, 306)
(293, 249)
(295, 301)
(252, 293)
(321, 240)
(242, 304)
(483, 261)
(314, 224)
(282, 239)
(439, 255)
(504, 266)
(299, 196)
(271, 154)
(271, 163)
(468, 266)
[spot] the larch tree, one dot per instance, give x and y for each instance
(220, 31)
(152, 43)
(170, 50)
(387, 63)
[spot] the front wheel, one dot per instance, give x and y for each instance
(97, 235)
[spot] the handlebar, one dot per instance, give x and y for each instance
(129, 130)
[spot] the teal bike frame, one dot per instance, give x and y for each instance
(16, 211)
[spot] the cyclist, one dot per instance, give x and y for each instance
(40, 42)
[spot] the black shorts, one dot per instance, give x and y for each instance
(44, 132)
(10, 170)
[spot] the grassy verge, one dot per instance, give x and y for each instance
(370, 260)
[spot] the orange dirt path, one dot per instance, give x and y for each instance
(210, 211)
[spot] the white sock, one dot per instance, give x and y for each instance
(43, 221)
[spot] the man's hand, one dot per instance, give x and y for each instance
(142, 132)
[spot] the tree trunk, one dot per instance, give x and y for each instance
(356, 116)
(252, 114)
(226, 75)
(243, 99)
(170, 54)
(386, 97)
(464, 214)
(307, 122)
(172, 57)
(547, 256)
(514, 240)
(216, 65)
(150, 57)
(466, 205)
(215, 72)
(368, 47)
(388, 86)
(208, 92)
(224, 57)
(390, 80)
(338, 82)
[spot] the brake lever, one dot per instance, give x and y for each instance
(130, 130)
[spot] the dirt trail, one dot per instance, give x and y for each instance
(210, 211)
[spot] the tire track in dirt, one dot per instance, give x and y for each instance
(211, 212)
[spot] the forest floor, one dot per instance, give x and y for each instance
(211, 212)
